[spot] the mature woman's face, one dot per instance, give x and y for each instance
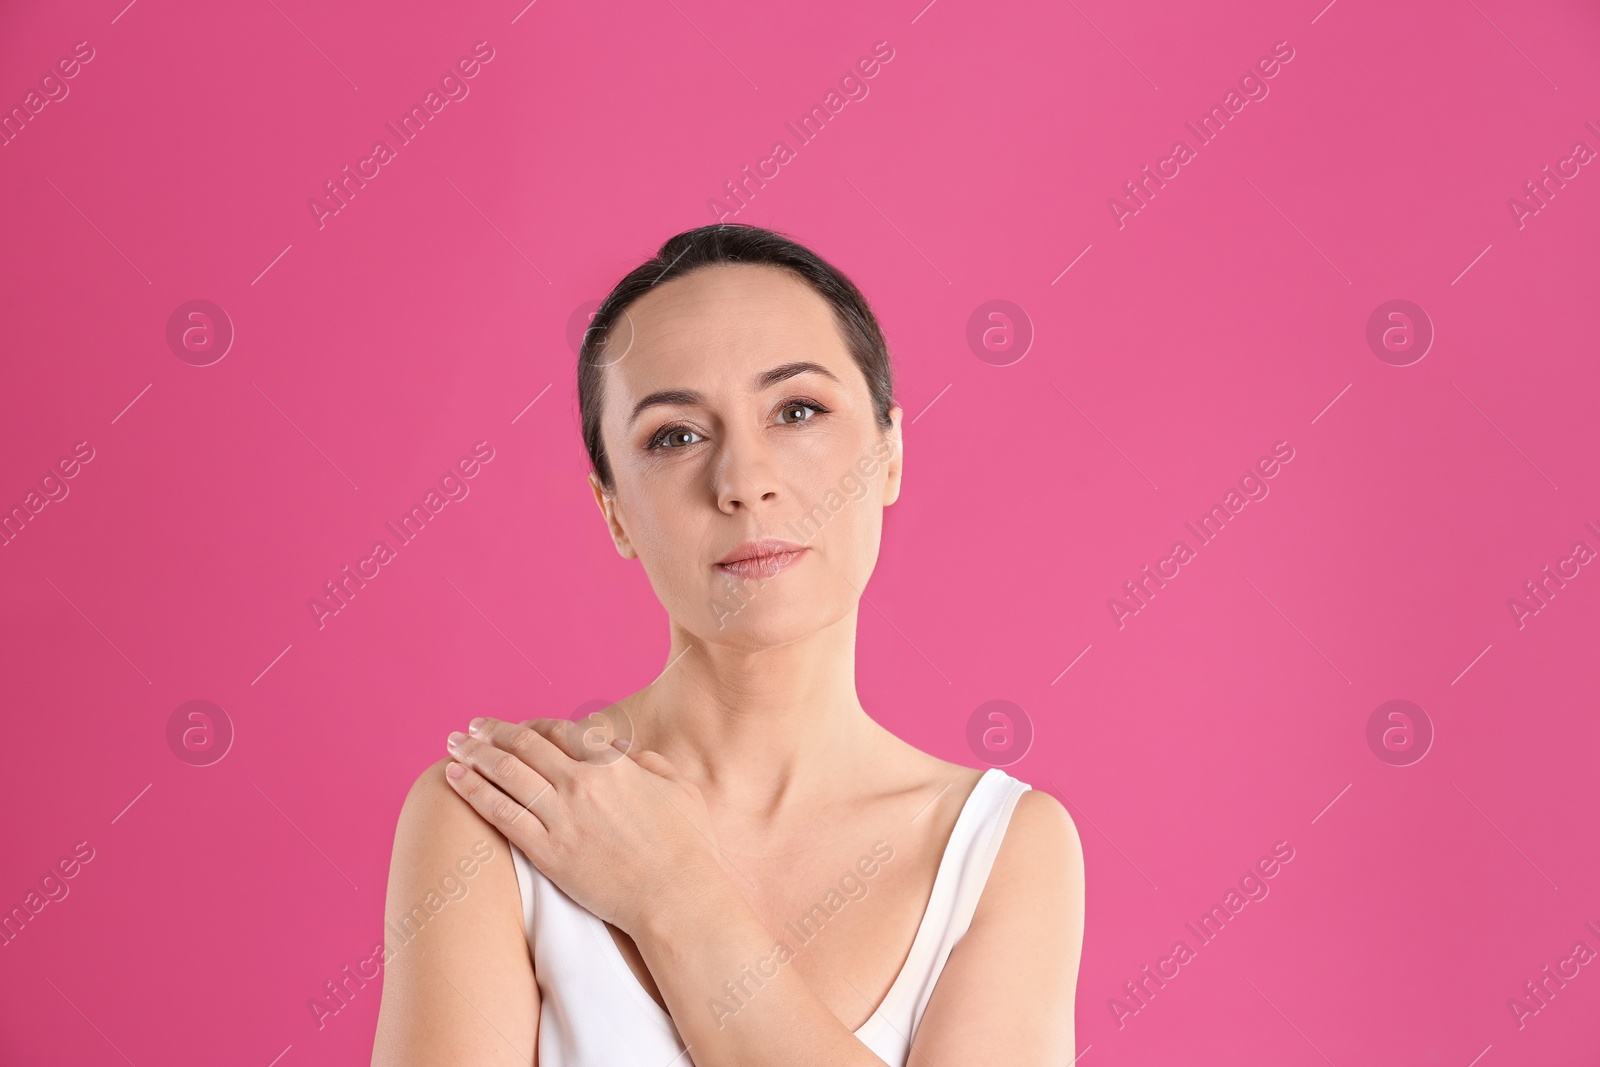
(734, 412)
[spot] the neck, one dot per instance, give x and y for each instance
(755, 729)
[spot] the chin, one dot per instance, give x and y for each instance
(768, 622)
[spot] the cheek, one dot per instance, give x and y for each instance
(866, 533)
(671, 541)
(850, 537)
(676, 536)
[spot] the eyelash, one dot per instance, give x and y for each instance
(656, 444)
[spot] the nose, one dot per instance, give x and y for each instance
(744, 473)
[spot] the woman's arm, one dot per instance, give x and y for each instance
(458, 986)
(1005, 995)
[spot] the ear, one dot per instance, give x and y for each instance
(608, 508)
(891, 484)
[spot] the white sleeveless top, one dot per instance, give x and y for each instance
(593, 1011)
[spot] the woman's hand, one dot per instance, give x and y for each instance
(622, 835)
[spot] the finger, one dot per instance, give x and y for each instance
(564, 734)
(605, 733)
(589, 738)
(655, 763)
(602, 735)
(507, 735)
(520, 824)
(549, 754)
(518, 769)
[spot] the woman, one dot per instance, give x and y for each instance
(737, 865)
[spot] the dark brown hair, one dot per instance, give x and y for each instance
(721, 244)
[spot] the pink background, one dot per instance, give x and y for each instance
(1228, 314)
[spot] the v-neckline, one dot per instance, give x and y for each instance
(942, 875)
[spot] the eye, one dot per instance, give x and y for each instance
(802, 405)
(673, 434)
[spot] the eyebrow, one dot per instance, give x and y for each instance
(765, 380)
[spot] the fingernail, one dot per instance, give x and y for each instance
(456, 738)
(455, 770)
(475, 725)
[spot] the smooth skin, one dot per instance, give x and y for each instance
(754, 780)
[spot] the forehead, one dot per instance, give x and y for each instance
(720, 325)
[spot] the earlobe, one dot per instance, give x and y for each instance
(608, 505)
(893, 469)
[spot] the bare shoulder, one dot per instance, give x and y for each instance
(1040, 858)
(439, 834)
(1041, 823)
(447, 854)
(458, 980)
(433, 810)
(1008, 991)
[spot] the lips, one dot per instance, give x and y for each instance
(762, 558)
